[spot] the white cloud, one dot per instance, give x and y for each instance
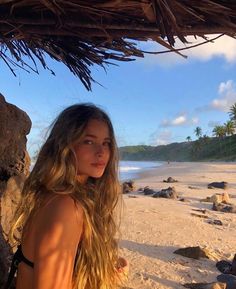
(224, 46)
(180, 120)
(227, 96)
(225, 86)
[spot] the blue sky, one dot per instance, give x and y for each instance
(156, 100)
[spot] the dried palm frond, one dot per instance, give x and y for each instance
(82, 33)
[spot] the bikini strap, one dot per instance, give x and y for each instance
(17, 258)
(23, 259)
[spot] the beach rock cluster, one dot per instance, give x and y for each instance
(221, 203)
(227, 280)
(14, 167)
(169, 193)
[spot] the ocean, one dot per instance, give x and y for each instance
(131, 169)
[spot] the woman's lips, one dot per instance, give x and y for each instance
(99, 165)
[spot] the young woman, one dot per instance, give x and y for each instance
(66, 219)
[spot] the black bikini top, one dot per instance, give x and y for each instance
(17, 258)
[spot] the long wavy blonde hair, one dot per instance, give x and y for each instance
(55, 173)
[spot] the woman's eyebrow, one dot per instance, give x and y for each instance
(91, 135)
(94, 136)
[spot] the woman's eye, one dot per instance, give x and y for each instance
(87, 141)
(107, 143)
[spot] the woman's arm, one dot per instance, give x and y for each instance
(57, 237)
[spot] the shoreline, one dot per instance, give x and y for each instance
(163, 168)
(153, 228)
(173, 167)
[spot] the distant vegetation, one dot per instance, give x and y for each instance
(221, 146)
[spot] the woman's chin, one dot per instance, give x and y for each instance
(97, 175)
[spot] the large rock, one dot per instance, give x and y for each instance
(196, 253)
(224, 208)
(217, 198)
(225, 267)
(219, 185)
(229, 279)
(9, 200)
(170, 180)
(169, 193)
(128, 187)
(14, 126)
(148, 191)
(14, 166)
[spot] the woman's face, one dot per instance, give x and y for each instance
(93, 150)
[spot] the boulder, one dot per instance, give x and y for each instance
(9, 200)
(195, 253)
(219, 185)
(169, 193)
(217, 198)
(224, 208)
(128, 187)
(14, 166)
(170, 180)
(221, 198)
(148, 191)
(225, 198)
(229, 279)
(227, 267)
(15, 125)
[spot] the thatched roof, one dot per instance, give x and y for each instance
(81, 33)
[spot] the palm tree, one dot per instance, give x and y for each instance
(205, 138)
(188, 138)
(219, 131)
(198, 131)
(229, 127)
(232, 113)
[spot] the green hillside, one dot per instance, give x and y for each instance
(204, 149)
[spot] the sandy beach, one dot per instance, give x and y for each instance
(153, 228)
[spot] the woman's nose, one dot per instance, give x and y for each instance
(99, 149)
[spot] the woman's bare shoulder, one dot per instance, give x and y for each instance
(61, 208)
